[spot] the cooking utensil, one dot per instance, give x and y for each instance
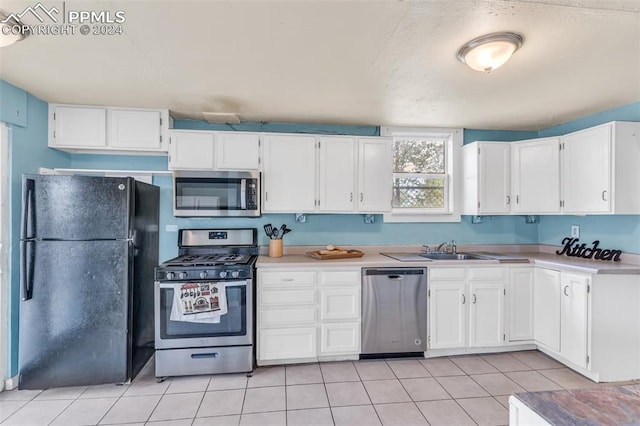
(281, 231)
(286, 231)
(268, 229)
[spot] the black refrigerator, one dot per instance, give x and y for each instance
(88, 248)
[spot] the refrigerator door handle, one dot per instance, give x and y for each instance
(28, 211)
(27, 258)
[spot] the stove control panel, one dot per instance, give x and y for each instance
(198, 274)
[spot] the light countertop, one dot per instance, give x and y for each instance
(372, 258)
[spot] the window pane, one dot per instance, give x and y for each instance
(418, 156)
(418, 193)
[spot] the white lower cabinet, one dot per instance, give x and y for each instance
(466, 307)
(306, 315)
(589, 322)
(520, 304)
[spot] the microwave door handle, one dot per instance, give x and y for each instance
(243, 194)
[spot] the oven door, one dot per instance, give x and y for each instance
(234, 328)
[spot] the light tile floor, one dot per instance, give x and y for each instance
(462, 390)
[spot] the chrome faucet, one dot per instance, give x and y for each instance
(452, 244)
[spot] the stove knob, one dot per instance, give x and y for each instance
(223, 274)
(203, 274)
(170, 275)
(235, 274)
(183, 275)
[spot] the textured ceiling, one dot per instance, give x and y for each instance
(342, 62)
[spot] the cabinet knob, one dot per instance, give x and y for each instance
(351, 196)
(603, 195)
(566, 288)
(473, 300)
(508, 200)
(361, 197)
(464, 299)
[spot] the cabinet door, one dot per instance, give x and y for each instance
(573, 340)
(586, 171)
(375, 175)
(535, 175)
(287, 343)
(340, 338)
(447, 314)
(337, 174)
(289, 174)
(494, 178)
(339, 303)
(486, 313)
(546, 308)
(135, 129)
(520, 297)
(80, 127)
(191, 150)
(237, 151)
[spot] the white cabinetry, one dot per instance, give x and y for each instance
(375, 175)
(108, 130)
(535, 176)
(337, 177)
(207, 150)
(237, 151)
(520, 304)
(589, 322)
(191, 150)
(306, 315)
(454, 325)
(487, 178)
(600, 172)
(289, 180)
(547, 308)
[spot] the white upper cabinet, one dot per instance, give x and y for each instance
(108, 130)
(337, 178)
(129, 128)
(191, 150)
(237, 151)
(600, 172)
(535, 176)
(487, 178)
(375, 174)
(77, 127)
(289, 173)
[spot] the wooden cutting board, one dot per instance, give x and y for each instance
(349, 253)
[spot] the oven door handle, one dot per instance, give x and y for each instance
(176, 285)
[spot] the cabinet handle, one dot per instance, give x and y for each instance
(566, 287)
(287, 279)
(603, 195)
(517, 199)
(351, 196)
(266, 196)
(508, 200)
(474, 299)
(464, 299)
(361, 197)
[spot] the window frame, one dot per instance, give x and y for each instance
(453, 172)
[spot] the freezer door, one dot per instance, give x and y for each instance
(76, 207)
(74, 330)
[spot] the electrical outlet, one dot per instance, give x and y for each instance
(575, 231)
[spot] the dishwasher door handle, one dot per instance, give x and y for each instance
(395, 277)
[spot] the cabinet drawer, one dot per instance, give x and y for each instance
(287, 343)
(286, 278)
(290, 316)
(446, 273)
(341, 278)
(340, 303)
(287, 298)
(486, 273)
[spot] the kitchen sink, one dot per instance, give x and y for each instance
(452, 256)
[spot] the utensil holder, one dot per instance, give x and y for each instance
(275, 248)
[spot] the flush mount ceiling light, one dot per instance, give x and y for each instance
(488, 52)
(12, 30)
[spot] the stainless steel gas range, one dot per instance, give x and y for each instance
(204, 304)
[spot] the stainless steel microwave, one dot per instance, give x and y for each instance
(206, 194)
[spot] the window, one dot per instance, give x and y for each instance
(424, 187)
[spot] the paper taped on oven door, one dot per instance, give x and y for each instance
(199, 302)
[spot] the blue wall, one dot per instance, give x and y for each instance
(28, 150)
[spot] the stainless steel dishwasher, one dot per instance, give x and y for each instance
(394, 310)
